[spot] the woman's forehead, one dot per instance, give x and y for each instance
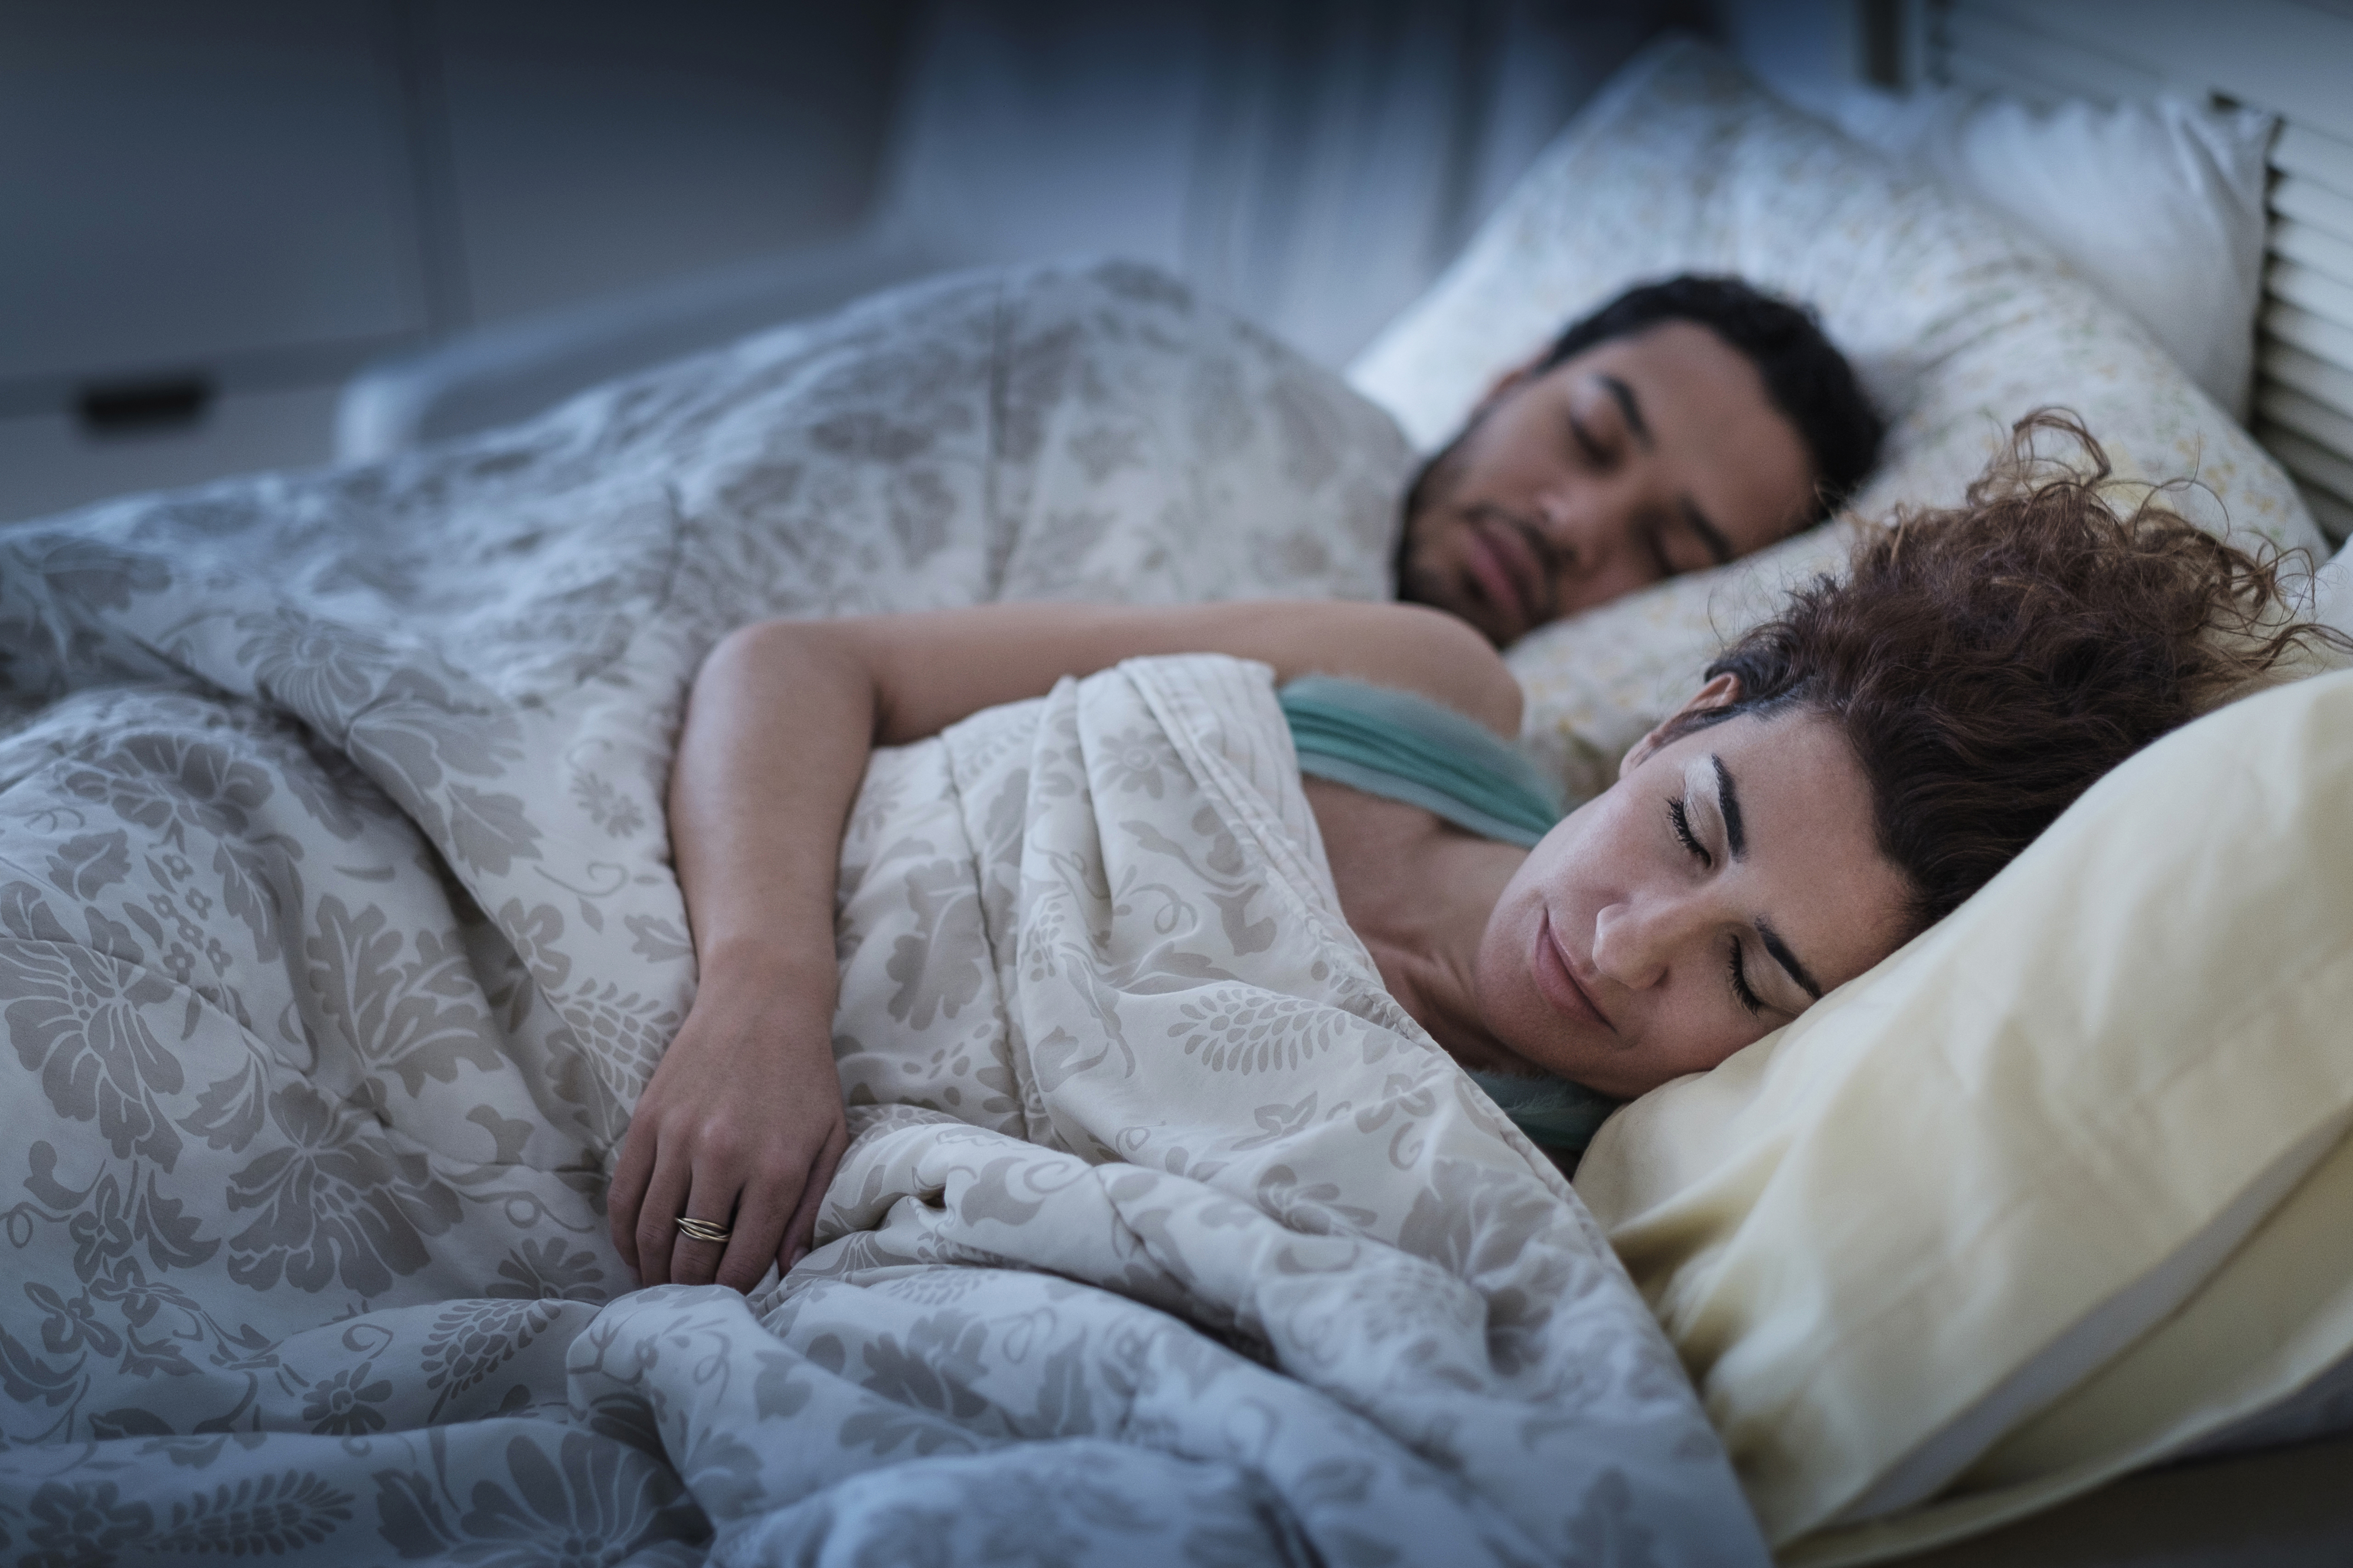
(1789, 766)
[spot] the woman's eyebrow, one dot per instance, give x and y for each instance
(1736, 838)
(1789, 960)
(1727, 800)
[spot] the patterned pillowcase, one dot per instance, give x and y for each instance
(1957, 323)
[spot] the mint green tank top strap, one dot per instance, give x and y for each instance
(1407, 748)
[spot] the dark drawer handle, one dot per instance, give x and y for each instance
(144, 408)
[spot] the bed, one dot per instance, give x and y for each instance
(340, 936)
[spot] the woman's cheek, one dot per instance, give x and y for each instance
(1695, 1039)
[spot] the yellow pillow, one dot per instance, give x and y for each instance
(2060, 1188)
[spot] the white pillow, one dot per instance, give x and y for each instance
(1955, 324)
(2160, 204)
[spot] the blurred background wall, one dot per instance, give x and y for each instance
(230, 225)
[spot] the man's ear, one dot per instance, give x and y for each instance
(1722, 691)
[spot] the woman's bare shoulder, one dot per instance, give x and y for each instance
(1411, 647)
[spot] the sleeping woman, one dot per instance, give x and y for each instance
(1847, 775)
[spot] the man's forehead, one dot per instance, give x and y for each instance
(1668, 344)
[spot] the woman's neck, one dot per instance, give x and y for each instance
(1418, 893)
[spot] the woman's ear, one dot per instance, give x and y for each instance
(1721, 692)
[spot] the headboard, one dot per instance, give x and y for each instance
(2292, 58)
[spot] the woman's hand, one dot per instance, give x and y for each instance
(741, 1127)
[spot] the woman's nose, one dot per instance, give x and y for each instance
(1635, 941)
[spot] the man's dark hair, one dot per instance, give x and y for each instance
(1807, 379)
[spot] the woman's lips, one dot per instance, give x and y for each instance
(1558, 982)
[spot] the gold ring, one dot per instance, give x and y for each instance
(703, 1229)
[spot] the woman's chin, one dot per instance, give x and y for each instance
(1533, 1038)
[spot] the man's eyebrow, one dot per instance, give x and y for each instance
(1629, 405)
(1789, 960)
(1727, 798)
(1709, 534)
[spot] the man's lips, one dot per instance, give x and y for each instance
(1496, 585)
(1508, 566)
(1556, 978)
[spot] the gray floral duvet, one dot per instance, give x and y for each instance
(337, 937)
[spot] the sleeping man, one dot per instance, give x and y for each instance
(1681, 426)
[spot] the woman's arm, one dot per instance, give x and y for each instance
(742, 1123)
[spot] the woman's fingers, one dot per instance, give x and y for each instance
(766, 1202)
(693, 1260)
(626, 1195)
(758, 1234)
(665, 1200)
(719, 1194)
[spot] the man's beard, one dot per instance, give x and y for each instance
(1426, 500)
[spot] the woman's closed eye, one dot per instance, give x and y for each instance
(1741, 990)
(1679, 819)
(1682, 821)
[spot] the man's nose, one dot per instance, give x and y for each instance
(1583, 522)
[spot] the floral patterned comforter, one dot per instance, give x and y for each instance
(337, 936)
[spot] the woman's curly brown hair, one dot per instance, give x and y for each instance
(1988, 662)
